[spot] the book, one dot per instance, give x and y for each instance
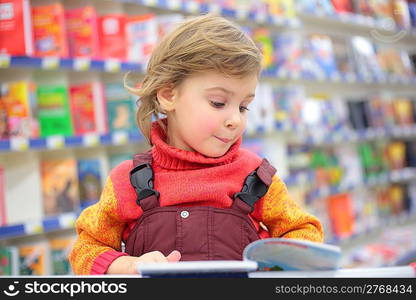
(49, 30)
(403, 113)
(396, 155)
(87, 108)
(121, 108)
(82, 32)
(141, 36)
(53, 110)
(341, 214)
(3, 212)
(16, 22)
(263, 39)
(89, 178)
(59, 251)
(342, 6)
(112, 36)
(318, 59)
(59, 180)
(32, 259)
(316, 7)
(365, 58)
(4, 127)
(411, 153)
(269, 254)
(9, 261)
(19, 102)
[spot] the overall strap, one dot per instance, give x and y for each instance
(255, 186)
(141, 178)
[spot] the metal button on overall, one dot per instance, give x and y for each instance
(184, 214)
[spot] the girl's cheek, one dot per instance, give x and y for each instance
(209, 124)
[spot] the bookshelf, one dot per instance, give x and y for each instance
(20, 156)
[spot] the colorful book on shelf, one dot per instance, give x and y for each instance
(343, 57)
(411, 153)
(53, 110)
(341, 213)
(403, 111)
(412, 13)
(32, 259)
(357, 115)
(82, 32)
(121, 108)
(112, 36)
(141, 35)
(383, 9)
(87, 108)
(270, 254)
(89, 178)
(49, 30)
(365, 58)
(288, 54)
(282, 8)
(4, 124)
(363, 7)
(352, 171)
(16, 22)
(374, 111)
(318, 59)
(20, 102)
(316, 7)
(395, 154)
(60, 188)
(3, 208)
(59, 251)
(262, 37)
(342, 6)
(401, 14)
(370, 160)
(9, 261)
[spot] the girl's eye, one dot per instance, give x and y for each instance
(217, 104)
(243, 108)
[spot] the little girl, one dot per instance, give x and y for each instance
(195, 195)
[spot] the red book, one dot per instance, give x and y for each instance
(341, 214)
(82, 32)
(15, 27)
(342, 6)
(87, 108)
(49, 33)
(112, 36)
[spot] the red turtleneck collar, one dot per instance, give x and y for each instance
(168, 157)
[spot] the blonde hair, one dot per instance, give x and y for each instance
(202, 43)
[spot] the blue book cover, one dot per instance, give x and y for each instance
(89, 176)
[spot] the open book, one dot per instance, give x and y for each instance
(269, 254)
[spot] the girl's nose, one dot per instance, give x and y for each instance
(233, 120)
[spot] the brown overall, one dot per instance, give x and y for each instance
(199, 232)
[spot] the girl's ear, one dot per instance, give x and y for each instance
(166, 97)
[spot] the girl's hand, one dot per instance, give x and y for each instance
(127, 264)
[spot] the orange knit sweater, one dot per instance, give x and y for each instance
(188, 179)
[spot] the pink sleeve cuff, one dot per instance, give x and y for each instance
(103, 261)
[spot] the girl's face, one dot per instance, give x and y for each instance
(208, 112)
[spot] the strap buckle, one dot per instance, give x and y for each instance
(253, 189)
(141, 177)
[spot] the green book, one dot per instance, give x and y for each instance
(54, 113)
